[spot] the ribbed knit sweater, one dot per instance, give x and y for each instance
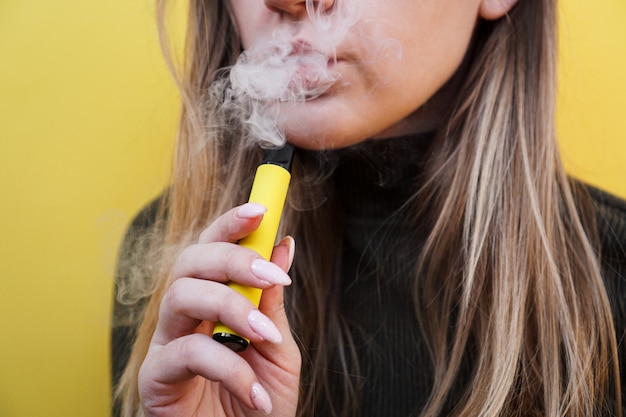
(378, 264)
(395, 368)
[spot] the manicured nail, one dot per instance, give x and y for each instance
(292, 249)
(260, 398)
(250, 210)
(264, 327)
(269, 272)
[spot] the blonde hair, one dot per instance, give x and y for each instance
(511, 251)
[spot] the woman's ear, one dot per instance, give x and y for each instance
(495, 9)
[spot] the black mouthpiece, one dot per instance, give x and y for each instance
(281, 156)
(231, 341)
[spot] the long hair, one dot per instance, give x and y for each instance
(511, 255)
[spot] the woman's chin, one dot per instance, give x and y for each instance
(311, 141)
(316, 126)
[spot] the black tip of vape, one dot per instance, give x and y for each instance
(231, 341)
(281, 156)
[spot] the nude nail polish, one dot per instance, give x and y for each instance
(250, 210)
(290, 243)
(269, 272)
(264, 327)
(260, 398)
(292, 249)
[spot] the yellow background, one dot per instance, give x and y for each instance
(87, 116)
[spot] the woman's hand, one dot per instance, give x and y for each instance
(186, 373)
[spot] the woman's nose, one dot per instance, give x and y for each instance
(297, 8)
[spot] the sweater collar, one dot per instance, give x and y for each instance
(375, 178)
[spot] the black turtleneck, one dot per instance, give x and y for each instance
(375, 191)
(375, 185)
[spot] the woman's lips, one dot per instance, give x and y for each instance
(313, 75)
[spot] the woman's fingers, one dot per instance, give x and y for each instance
(190, 301)
(218, 258)
(235, 224)
(163, 377)
(182, 348)
(225, 262)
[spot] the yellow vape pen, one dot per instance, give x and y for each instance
(270, 190)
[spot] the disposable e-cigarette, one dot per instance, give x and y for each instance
(269, 189)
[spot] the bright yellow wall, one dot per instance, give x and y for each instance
(87, 113)
(592, 99)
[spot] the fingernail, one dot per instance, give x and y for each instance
(292, 249)
(260, 398)
(269, 272)
(250, 210)
(264, 327)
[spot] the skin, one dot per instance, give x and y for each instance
(185, 373)
(371, 94)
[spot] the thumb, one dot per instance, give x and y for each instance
(284, 252)
(273, 306)
(272, 301)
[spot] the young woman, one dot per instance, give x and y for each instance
(446, 265)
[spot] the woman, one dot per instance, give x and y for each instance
(446, 265)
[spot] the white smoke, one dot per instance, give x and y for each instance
(276, 72)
